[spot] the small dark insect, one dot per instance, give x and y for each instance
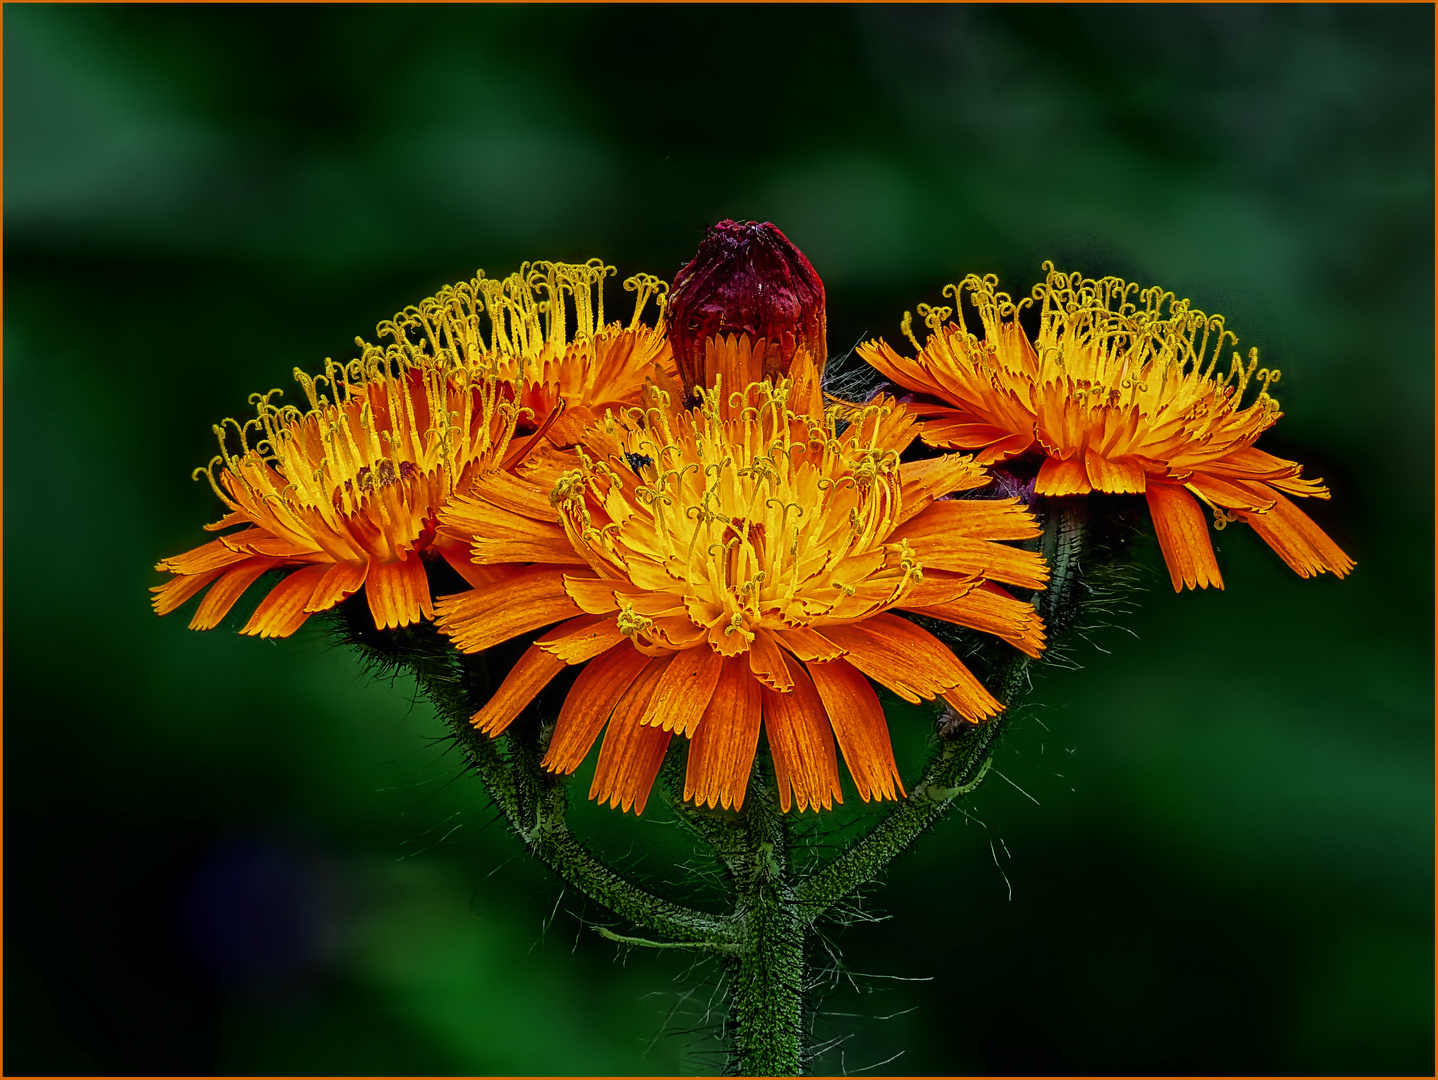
(637, 460)
(950, 724)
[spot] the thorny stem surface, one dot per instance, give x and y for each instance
(763, 939)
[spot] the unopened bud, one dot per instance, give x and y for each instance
(749, 280)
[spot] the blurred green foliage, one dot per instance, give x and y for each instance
(1209, 851)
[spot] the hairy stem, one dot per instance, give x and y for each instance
(956, 770)
(960, 763)
(534, 801)
(767, 974)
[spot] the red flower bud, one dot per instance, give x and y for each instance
(747, 279)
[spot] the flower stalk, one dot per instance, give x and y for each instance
(773, 910)
(766, 976)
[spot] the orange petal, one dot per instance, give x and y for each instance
(684, 690)
(597, 595)
(923, 481)
(1005, 448)
(801, 743)
(1116, 477)
(962, 434)
(1256, 498)
(766, 661)
(528, 677)
(910, 661)
(721, 753)
(498, 534)
(554, 548)
(507, 491)
(262, 542)
(519, 450)
(591, 699)
(808, 644)
(570, 425)
(737, 360)
(340, 580)
(582, 639)
(398, 592)
(973, 519)
(212, 556)
(1062, 478)
(531, 673)
(858, 722)
(1183, 536)
(1298, 541)
(938, 587)
(898, 369)
(639, 751)
(972, 701)
(475, 575)
(884, 423)
(231, 519)
(632, 753)
(993, 611)
(678, 632)
(178, 589)
(531, 597)
(223, 594)
(805, 387)
(939, 545)
(1251, 463)
(283, 612)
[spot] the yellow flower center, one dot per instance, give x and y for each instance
(542, 329)
(1104, 343)
(373, 423)
(736, 515)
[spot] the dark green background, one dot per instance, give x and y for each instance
(237, 856)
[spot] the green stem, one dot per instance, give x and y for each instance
(766, 966)
(957, 769)
(533, 800)
(1062, 546)
(767, 975)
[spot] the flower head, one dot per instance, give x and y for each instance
(734, 566)
(349, 490)
(1120, 391)
(747, 280)
(543, 329)
(344, 493)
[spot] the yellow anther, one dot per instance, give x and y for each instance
(1222, 519)
(630, 622)
(934, 317)
(736, 626)
(906, 327)
(568, 487)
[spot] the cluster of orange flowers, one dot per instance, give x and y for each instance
(681, 512)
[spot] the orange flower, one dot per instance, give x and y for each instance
(346, 491)
(733, 566)
(349, 491)
(1118, 393)
(568, 373)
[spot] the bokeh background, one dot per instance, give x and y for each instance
(1210, 849)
